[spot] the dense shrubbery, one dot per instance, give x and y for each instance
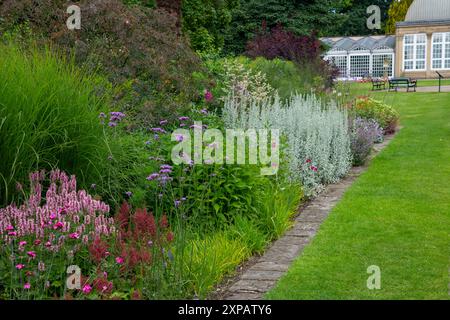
(206, 22)
(305, 51)
(49, 116)
(318, 142)
(369, 108)
(138, 48)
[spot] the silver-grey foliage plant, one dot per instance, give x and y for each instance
(318, 140)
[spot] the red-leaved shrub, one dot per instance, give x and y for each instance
(305, 51)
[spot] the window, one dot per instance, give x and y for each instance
(382, 65)
(341, 63)
(359, 66)
(414, 48)
(441, 51)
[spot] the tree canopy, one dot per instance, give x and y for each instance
(325, 17)
(397, 12)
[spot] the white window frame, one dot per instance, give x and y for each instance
(414, 45)
(359, 54)
(443, 43)
(392, 55)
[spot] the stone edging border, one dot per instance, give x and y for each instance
(260, 274)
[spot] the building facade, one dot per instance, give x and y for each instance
(419, 49)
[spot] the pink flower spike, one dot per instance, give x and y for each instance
(58, 225)
(119, 260)
(74, 236)
(27, 286)
(20, 266)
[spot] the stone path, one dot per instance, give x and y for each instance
(264, 273)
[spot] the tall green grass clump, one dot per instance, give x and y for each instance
(48, 118)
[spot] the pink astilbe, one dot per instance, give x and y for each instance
(59, 211)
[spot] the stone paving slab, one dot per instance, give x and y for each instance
(263, 275)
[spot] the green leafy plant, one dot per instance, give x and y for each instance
(384, 114)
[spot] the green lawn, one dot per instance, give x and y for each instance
(395, 216)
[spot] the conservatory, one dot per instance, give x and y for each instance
(362, 57)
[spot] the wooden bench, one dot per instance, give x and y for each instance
(402, 83)
(378, 84)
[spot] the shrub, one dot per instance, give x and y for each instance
(318, 142)
(261, 77)
(53, 115)
(206, 22)
(364, 134)
(243, 83)
(138, 48)
(305, 51)
(383, 114)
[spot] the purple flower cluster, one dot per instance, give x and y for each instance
(158, 130)
(163, 176)
(365, 133)
(115, 118)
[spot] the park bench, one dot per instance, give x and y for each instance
(378, 84)
(402, 83)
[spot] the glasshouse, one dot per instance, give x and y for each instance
(420, 47)
(360, 57)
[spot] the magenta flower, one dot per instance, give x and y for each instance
(87, 289)
(31, 254)
(208, 96)
(20, 266)
(12, 234)
(74, 235)
(9, 228)
(27, 286)
(119, 260)
(58, 225)
(22, 243)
